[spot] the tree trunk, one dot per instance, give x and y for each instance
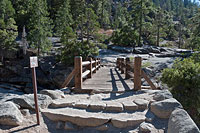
(38, 50)
(102, 14)
(140, 29)
(179, 43)
(158, 36)
(82, 29)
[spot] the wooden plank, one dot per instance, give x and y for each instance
(95, 66)
(122, 66)
(79, 69)
(85, 74)
(93, 69)
(127, 76)
(90, 68)
(85, 63)
(117, 63)
(69, 78)
(137, 73)
(148, 80)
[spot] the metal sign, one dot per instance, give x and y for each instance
(33, 62)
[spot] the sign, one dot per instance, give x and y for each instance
(33, 62)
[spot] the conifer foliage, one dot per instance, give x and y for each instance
(8, 28)
(40, 26)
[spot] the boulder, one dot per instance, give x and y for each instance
(152, 49)
(10, 115)
(127, 120)
(121, 49)
(27, 101)
(140, 50)
(150, 72)
(180, 122)
(162, 95)
(142, 104)
(163, 109)
(59, 75)
(25, 112)
(54, 94)
(146, 128)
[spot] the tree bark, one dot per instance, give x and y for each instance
(158, 36)
(140, 29)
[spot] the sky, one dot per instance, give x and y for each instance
(196, 1)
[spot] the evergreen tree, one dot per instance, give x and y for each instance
(140, 9)
(159, 20)
(8, 29)
(195, 31)
(91, 23)
(40, 26)
(63, 18)
(23, 12)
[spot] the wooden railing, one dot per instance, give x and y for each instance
(134, 70)
(82, 70)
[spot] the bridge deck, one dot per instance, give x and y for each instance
(108, 79)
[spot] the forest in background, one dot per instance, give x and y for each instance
(78, 22)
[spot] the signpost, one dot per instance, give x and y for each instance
(33, 64)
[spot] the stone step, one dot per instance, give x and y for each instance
(106, 106)
(83, 118)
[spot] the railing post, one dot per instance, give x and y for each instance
(122, 65)
(90, 68)
(95, 65)
(137, 73)
(117, 63)
(99, 62)
(127, 76)
(78, 67)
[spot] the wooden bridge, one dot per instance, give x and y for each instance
(92, 76)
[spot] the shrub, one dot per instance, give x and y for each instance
(102, 46)
(74, 48)
(71, 48)
(184, 79)
(127, 36)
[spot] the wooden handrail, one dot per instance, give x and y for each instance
(69, 78)
(138, 73)
(90, 67)
(85, 63)
(86, 73)
(148, 80)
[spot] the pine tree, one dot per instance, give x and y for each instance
(159, 20)
(140, 9)
(195, 31)
(39, 27)
(23, 12)
(8, 29)
(63, 18)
